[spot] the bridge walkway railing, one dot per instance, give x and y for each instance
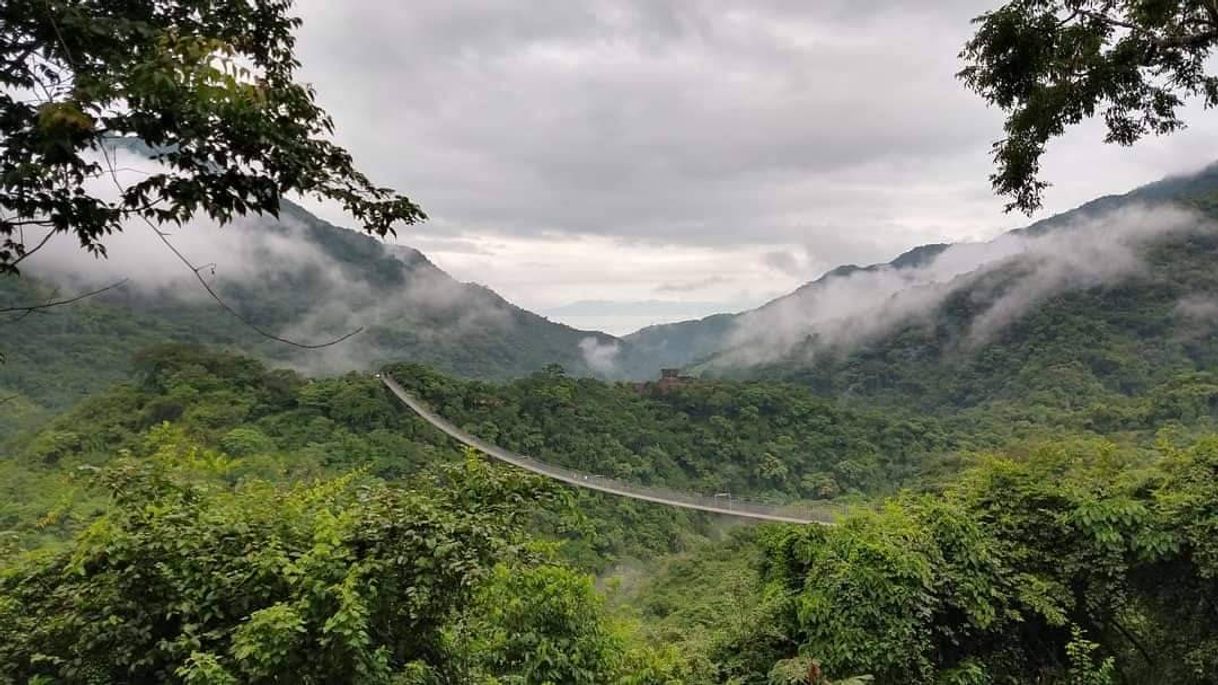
(711, 503)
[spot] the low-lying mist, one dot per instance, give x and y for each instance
(287, 276)
(844, 310)
(309, 282)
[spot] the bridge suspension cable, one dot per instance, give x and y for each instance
(717, 504)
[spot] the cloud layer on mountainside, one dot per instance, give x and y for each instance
(259, 264)
(844, 310)
(600, 356)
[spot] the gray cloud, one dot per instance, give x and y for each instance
(709, 122)
(831, 131)
(839, 124)
(785, 262)
(691, 286)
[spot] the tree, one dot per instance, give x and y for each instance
(186, 580)
(1073, 562)
(1050, 64)
(542, 625)
(207, 85)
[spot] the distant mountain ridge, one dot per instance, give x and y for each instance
(299, 277)
(701, 344)
(1118, 296)
(309, 280)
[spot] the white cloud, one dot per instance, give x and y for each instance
(844, 311)
(616, 149)
(600, 357)
(560, 138)
(265, 260)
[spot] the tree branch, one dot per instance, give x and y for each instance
(1133, 640)
(1211, 8)
(11, 64)
(196, 270)
(1160, 42)
(26, 253)
(31, 308)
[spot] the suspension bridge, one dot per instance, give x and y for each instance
(722, 503)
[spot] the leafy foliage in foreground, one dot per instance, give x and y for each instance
(188, 579)
(1074, 563)
(210, 84)
(1051, 64)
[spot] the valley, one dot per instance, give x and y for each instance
(921, 442)
(317, 363)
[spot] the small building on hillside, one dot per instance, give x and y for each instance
(669, 379)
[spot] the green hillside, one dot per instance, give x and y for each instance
(1070, 348)
(1034, 500)
(408, 308)
(707, 344)
(213, 507)
(204, 454)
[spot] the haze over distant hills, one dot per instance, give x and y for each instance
(1141, 266)
(300, 277)
(1136, 241)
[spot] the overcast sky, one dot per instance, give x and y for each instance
(619, 163)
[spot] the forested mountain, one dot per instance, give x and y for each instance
(299, 277)
(1073, 346)
(1118, 293)
(695, 342)
(889, 329)
(1013, 487)
(208, 467)
(1109, 299)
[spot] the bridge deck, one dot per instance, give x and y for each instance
(580, 479)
